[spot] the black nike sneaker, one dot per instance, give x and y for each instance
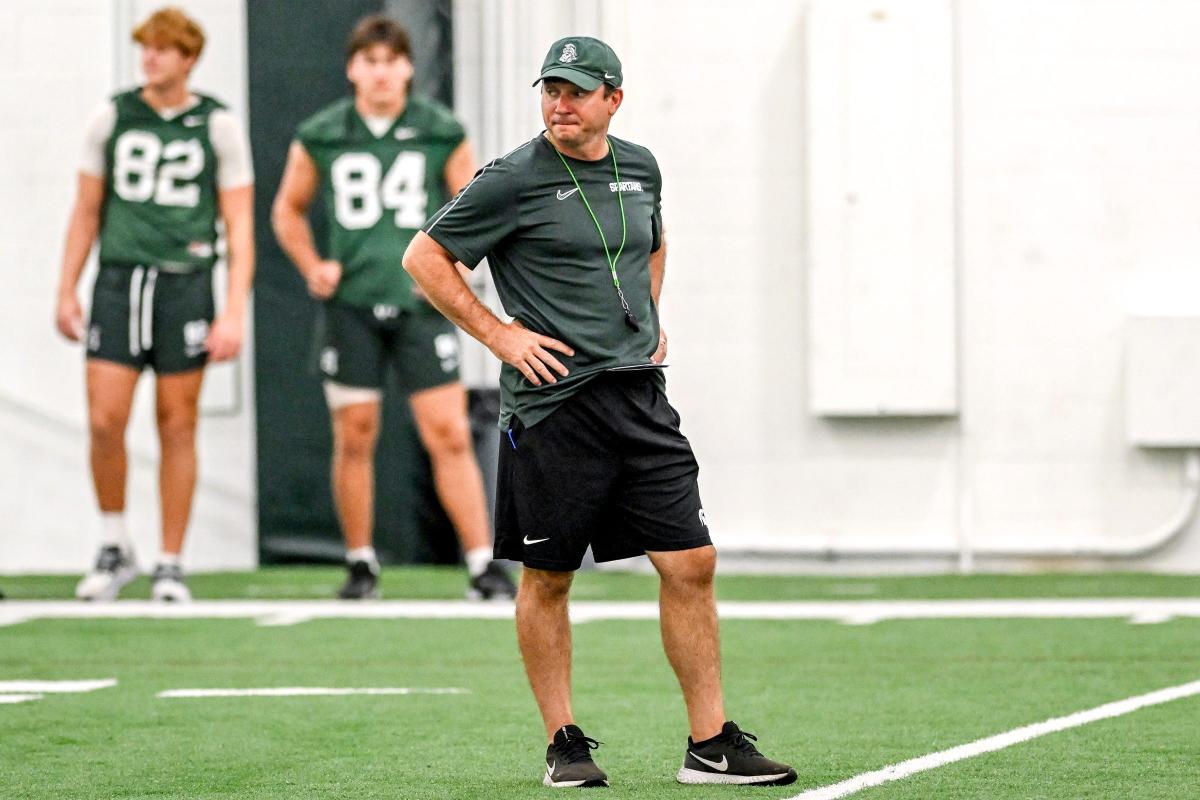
(729, 757)
(569, 761)
(494, 583)
(362, 582)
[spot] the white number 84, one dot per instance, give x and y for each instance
(361, 192)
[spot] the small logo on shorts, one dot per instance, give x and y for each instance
(194, 334)
(446, 347)
(703, 519)
(384, 312)
(93, 340)
(527, 540)
(329, 361)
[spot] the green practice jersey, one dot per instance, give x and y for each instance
(530, 219)
(160, 199)
(378, 191)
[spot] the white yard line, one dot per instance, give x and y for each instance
(852, 612)
(56, 687)
(998, 742)
(6, 699)
(306, 691)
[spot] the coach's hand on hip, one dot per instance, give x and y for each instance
(529, 352)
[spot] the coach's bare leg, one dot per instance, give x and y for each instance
(355, 431)
(544, 634)
(441, 417)
(688, 616)
(110, 397)
(177, 399)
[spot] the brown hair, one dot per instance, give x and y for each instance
(378, 29)
(172, 28)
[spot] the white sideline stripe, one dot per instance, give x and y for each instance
(305, 691)
(998, 742)
(9, 699)
(853, 612)
(56, 687)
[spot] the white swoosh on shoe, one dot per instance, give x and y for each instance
(719, 766)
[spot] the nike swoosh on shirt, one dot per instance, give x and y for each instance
(527, 540)
(720, 766)
(564, 195)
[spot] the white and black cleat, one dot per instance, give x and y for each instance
(114, 570)
(731, 758)
(167, 585)
(569, 763)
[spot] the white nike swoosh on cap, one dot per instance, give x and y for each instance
(720, 766)
(564, 195)
(527, 540)
(608, 77)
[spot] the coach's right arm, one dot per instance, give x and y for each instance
(433, 268)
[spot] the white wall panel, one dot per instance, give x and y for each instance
(880, 147)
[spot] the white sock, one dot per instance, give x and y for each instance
(168, 559)
(113, 532)
(477, 560)
(366, 554)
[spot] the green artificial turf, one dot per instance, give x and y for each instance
(834, 700)
(438, 583)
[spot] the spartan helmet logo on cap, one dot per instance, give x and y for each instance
(568, 53)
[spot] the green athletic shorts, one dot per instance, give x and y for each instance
(355, 346)
(145, 317)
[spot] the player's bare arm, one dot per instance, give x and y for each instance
(81, 235)
(289, 220)
(658, 271)
(433, 268)
(237, 210)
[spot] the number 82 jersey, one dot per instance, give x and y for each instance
(160, 200)
(378, 191)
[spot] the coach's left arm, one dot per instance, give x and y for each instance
(237, 210)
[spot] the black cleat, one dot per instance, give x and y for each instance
(729, 757)
(362, 582)
(494, 583)
(569, 761)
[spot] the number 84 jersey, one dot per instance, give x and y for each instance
(378, 190)
(160, 202)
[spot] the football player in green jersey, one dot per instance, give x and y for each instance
(160, 166)
(383, 158)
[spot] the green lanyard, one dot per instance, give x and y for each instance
(630, 319)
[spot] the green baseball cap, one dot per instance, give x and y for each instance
(582, 60)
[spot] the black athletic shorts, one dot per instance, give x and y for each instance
(608, 468)
(355, 346)
(145, 317)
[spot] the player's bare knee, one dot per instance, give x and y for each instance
(177, 428)
(354, 436)
(107, 429)
(448, 438)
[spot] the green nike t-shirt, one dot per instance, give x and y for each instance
(525, 214)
